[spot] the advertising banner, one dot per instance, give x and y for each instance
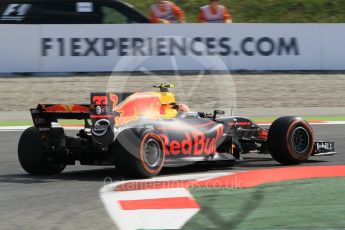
(145, 47)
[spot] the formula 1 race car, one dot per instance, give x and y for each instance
(142, 132)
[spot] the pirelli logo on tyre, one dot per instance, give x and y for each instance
(100, 128)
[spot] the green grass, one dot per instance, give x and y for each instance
(312, 203)
(270, 11)
(256, 119)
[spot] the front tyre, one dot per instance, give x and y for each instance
(290, 140)
(31, 155)
(139, 155)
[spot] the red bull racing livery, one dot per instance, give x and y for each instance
(142, 132)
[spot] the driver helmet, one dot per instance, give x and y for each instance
(182, 108)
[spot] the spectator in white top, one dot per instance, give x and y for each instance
(166, 12)
(214, 13)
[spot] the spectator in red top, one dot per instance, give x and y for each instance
(166, 12)
(214, 13)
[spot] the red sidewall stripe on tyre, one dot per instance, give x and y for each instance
(288, 133)
(142, 159)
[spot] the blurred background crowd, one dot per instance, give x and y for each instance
(265, 11)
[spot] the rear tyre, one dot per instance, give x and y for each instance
(290, 140)
(31, 156)
(139, 156)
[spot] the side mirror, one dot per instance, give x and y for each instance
(217, 112)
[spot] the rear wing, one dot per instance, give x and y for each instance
(45, 114)
(102, 106)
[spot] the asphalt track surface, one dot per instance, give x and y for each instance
(71, 200)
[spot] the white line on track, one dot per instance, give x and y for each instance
(314, 123)
(22, 128)
(330, 123)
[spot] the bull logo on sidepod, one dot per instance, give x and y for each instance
(135, 106)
